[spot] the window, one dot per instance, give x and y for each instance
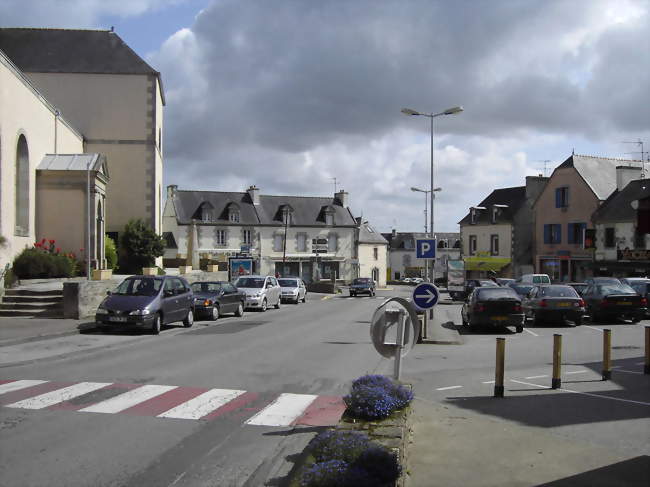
(457, 244)
(233, 216)
(375, 253)
(332, 242)
(301, 242)
(562, 197)
(610, 237)
(21, 226)
(494, 244)
(221, 237)
(406, 260)
(329, 218)
(247, 236)
(552, 233)
(278, 242)
(442, 244)
(472, 212)
(472, 244)
(575, 232)
(495, 212)
(639, 240)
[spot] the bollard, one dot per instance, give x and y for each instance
(556, 382)
(607, 354)
(499, 369)
(425, 331)
(646, 367)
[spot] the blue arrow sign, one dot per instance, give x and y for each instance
(425, 248)
(425, 295)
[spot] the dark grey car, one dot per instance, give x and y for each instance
(147, 302)
(214, 298)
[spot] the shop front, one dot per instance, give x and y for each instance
(563, 268)
(308, 268)
(629, 263)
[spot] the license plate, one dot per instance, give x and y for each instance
(499, 318)
(624, 303)
(564, 305)
(120, 319)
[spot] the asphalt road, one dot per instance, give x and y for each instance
(311, 350)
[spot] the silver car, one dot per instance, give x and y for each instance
(293, 289)
(261, 291)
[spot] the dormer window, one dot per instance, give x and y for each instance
(472, 212)
(231, 213)
(233, 216)
(204, 213)
(327, 215)
(495, 212)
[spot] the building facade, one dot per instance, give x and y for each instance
(372, 253)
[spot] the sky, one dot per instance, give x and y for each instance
(289, 94)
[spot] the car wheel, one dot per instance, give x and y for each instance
(636, 319)
(351, 295)
(189, 319)
(519, 329)
(156, 325)
(277, 305)
(297, 301)
(215, 313)
(264, 305)
(240, 310)
(535, 319)
(304, 298)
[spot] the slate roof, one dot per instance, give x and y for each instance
(306, 210)
(598, 172)
(400, 240)
(368, 235)
(617, 207)
(514, 197)
(72, 162)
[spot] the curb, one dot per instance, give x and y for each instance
(78, 331)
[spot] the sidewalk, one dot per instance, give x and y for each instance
(16, 330)
(453, 447)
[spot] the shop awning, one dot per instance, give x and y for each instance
(485, 263)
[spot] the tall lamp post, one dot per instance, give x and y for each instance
(431, 116)
(426, 192)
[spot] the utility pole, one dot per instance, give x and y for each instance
(639, 142)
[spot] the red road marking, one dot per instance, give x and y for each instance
(15, 396)
(324, 411)
(164, 402)
(6, 381)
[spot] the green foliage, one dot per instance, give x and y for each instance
(139, 247)
(35, 263)
(3, 240)
(10, 278)
(161, 272)
(111, 253)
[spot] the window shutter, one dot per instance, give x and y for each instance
(558, 198)
(570, 230)
(547, 234)
(558, 238)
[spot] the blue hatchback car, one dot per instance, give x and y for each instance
(147, 302)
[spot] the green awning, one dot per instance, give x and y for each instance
(485, 263)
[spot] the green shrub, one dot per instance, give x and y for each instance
(161, 271)
(111, 253)
(139, 247)
(10, 278)
(34, 263)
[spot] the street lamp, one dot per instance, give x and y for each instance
(431, 116)
(426, 192)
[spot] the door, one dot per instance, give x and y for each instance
(183, 298)
(169, 307)
(275, 291)
(230, 298)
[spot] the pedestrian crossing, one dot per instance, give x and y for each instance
(173, 402)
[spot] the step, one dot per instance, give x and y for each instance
(32, 306)
(32, 299)
(32, 313)
(31, 292)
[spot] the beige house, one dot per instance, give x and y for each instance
(372, 254)
(564, 210)
(111, 96)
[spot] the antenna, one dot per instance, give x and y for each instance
(545, 161)
(639, 142)
(334, 179)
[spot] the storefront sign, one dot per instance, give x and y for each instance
(636, 254)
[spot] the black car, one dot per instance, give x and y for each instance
(602, 280)
(578, 286)
(642, 288)
(554, 302)
(521, 289)
(493, 306)
(362, 285)
(147, 302)
(610, 301)
(214, 298)
(470, 284)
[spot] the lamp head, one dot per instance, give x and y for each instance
(452, 111)
(408, 111)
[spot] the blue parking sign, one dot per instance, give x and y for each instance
(425, 248)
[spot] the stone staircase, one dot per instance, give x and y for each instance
(32, 303)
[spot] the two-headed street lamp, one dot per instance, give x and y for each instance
(431, 116)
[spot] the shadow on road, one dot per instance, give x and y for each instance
(633, 472)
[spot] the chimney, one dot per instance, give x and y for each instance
(625, 174)
(342, 198)
(534, 186)
(254, 194)
(394, 232)
(171, 190)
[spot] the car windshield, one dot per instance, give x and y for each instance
(541, 280)
(496, 293)
(139, 286)
(206, 287)
(288, 282)
(640, 287)
(250, 282)
(488, 284)
(606, 289)
(558, 292)
(363, 280)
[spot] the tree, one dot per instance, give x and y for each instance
(139, 246)
(111, 253)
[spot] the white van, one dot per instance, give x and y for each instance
(535, 279)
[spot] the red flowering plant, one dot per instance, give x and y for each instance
(45, 260)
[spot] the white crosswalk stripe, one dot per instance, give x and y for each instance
(19, 384)
(202, 404)
(283, 411)
(128, 399)
(60, 395)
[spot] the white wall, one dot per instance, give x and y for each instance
(367, 261)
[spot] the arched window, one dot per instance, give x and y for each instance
(22, 188)
(457, 244)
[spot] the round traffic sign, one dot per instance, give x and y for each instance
(379, 327)
(425, 295)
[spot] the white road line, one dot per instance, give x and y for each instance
(448, 388)
(593, 328)
(128, 399)
(60, 395)
(202, 404)
(616, 366)
(283, 411)
(584, 393)
(638, 363)
(532, 333)
(577, 372)
(630, 371)
(488, 382)
(19, 384)
(536, 377)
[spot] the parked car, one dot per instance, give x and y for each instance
(554, 302)
(521, 289)
(147, 302)
(602, 280)
(214, 298)
(362, 285)
(293, 289)
(407, 280)
(502, 281)
(642, 288)
(493, 306)
(470, 284)
(614, 300)
(631, 280)
(578, 286)
(261, 291)
(417, 280)
(534, 279)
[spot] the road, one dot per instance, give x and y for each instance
(126, 419)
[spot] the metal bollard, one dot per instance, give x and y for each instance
(500, 367)
(556, 382)
(607, 354)
(425, 322)
(646, 367)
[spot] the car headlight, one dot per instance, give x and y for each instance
(140, 312)
(207, 302)
(102, 311)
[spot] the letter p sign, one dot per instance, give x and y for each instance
(425, 248)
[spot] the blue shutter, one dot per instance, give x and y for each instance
(581, 232)
(558, 229)
(558, 196)
(570, 231)
(547, 234)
